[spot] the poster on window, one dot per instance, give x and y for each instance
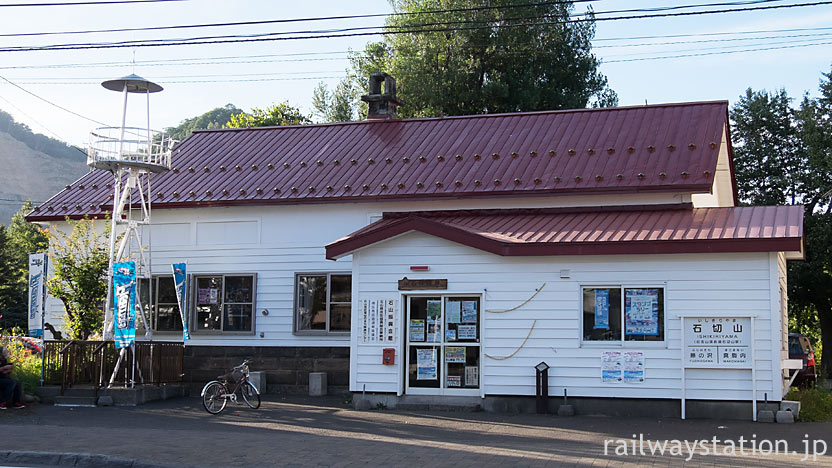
(454, 380)
(452, 311)
(37, 269)
(434, 331)
(417, 330)
(469, 311)
(602, 309)
(180, 285)
(455, 354)
(717, 342)
(641, 311)
(426, 364)
(611, 367)
(466, 332)
(124, 303)
(472, 376)
(450, 335)
(633, 367)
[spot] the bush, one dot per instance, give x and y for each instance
(815, 403)
(27, 364)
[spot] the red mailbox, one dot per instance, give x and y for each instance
(388, 356)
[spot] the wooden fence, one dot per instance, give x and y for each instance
(68, 363)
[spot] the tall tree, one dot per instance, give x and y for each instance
(785, 155)
(79, 262)
(279, 114)
(10, 314)
(20, 239)
(507, 56)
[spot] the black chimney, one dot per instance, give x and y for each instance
(382, 102)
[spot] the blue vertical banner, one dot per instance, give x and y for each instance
(180, 283)
(124, 296)
(602, 309)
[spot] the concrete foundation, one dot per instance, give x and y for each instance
(286, 369)
(118, 396)
(610, 407)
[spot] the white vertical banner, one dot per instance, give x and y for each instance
(37, 285)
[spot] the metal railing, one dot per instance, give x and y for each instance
(70, 363)
(114, 146)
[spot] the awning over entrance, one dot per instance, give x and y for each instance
(611, 230)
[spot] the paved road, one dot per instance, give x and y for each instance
(326, 433)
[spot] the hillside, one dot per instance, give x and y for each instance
(31, 174)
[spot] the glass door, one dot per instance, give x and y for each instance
(443, 344)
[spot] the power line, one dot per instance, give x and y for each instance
(234, 59)
(715, 53)
(300, 20)
(32, 119)
(112, 2)
(236, 39)
(50, 102)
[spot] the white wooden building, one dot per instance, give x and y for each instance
(474, 248)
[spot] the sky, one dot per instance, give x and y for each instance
(198, 78)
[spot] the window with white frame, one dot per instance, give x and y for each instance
(618, 314)
(224, 303)
(323, 303)
(163, 310)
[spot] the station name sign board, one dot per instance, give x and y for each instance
(717, 342)
(420, 284)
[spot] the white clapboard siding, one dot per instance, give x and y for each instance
(718, 284)
(276, 242)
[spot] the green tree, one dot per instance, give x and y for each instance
(215, 118)
(9, 290)
(785, 155)
(766, 148)
(334, 106)
(20, 239)
(515, 57)
(279, 114)
(79, 262)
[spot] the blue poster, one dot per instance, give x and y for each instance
(180, 283)
(641, 311)
(602, 309)
(124, 296)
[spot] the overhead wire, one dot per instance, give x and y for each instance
(405, 30)
(103, 2)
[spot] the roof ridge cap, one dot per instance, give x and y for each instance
(471, 116)
(536, 211)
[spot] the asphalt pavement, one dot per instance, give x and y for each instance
(326, 432)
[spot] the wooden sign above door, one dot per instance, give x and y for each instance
(421, 284)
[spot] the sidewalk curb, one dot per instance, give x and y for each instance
(80, 460)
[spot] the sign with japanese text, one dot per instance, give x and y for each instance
(37, 288)
(718, 342)
(378, 321)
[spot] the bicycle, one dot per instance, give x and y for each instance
(216, 393)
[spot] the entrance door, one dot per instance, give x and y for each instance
(443, 345)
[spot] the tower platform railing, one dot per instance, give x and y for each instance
(111, 148)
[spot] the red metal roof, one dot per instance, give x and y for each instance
(669, 147)
(613, 230)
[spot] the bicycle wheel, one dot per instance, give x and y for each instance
(250, 395)
(212, 398)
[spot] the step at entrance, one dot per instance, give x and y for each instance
(75, 401)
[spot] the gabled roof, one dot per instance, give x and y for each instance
(668, 147)
(651, 229)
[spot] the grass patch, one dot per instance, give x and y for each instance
(815, 403)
